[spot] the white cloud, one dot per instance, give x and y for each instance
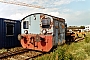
(60, 2)
(19, 12)
(57, 14)
(66, 10)
(80, 0)
(17, 16)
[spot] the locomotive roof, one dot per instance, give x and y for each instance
(56, 18)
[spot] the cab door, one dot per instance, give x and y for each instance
(25, 25)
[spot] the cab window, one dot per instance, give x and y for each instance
(46, 23)
(25, 25)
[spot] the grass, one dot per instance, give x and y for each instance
(3, 50)
(74, 51)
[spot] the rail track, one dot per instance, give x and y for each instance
(21, 54)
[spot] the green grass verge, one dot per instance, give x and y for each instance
(74, 51)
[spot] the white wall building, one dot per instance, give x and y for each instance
(87, 27)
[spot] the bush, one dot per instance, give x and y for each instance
(87, 39)
(62, 54)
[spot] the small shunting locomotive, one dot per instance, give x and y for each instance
(41, 32)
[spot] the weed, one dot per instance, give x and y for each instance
(87, 49)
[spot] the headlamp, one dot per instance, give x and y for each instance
(26, 31)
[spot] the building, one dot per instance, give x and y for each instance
(87, 28)
(9, 30)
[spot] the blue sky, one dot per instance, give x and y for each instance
(75, 12)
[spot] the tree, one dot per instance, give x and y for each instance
(82, 27)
